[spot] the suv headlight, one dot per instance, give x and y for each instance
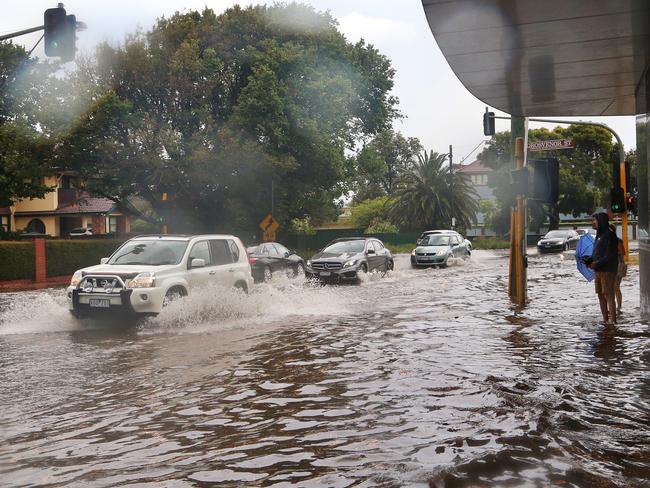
(76, 278)
(350, 263)
(143, 280)
(309, 263)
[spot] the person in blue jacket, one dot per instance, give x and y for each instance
(604, 260)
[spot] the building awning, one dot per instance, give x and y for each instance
(546, 58)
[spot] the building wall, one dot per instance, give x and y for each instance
(51, 223)
(46, 204)
(642, 152)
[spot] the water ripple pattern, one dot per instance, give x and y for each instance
(423, 378)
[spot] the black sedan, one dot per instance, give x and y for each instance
(271, 257)
(558, 240)
(346, 258)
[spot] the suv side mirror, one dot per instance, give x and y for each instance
(103, 260)
(197, 263)
(287, 254)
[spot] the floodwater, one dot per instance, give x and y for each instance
(425, 378)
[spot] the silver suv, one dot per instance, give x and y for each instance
(148, 271)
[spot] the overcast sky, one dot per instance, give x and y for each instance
(438, 110)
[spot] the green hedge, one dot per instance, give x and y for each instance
(16, 261)
(65, 257)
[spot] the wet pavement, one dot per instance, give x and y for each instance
(423, 378)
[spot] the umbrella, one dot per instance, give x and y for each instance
(585, 248)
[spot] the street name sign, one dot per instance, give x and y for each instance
(551, 145)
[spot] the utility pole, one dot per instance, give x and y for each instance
(518, 259)
(451, 185)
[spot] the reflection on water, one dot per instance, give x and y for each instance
(423, 378)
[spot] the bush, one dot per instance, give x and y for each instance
(140, 226)
(65, 257)
(379, 226)
(490, 243)
(17, 260)
(368, 211)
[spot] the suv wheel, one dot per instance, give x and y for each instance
(172, 295)
(299, 270)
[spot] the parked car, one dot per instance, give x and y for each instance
(81, 232)
(346, 258)
(468, 243)
(558, 240)
(437, 248)
(147, 272)
(581, 232)
(271, 257)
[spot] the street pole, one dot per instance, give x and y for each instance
(517, 281)
(451, 186)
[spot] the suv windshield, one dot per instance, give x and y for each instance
(151, 252)
(346, 246)
(435, 240)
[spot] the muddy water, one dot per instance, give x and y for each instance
(423, 378)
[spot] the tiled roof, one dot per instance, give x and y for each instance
(475, 167)
(87, 204)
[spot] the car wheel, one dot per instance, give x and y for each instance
(363, 268)
(391, 265)
(267, 274)
(566, 246)
(241, 286)
(467, 254)
(444, 264)
(299, 270)
(171, 296)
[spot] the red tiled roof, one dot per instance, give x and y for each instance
(475, 167)
(87, 205)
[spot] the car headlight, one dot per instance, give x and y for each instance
(539, 243)
(350, 263)
(76, 278)
(442, 252)
(143, 280)
(413, 252)
(309, 263)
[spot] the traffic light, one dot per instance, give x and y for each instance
(631, 203)
(546, 180)
(60, 34)
(617, 199)
(488, 123)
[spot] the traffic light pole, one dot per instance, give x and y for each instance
(517, 282)
(621, 157)
(21, 33)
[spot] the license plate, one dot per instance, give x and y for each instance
(325, 273)
(426, 258)
(99, 302)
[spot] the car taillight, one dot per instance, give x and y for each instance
(251, 260)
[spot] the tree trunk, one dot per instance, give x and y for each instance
(554, 218)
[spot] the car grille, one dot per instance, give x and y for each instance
(326, 266)
(425, 253)
(101, 284)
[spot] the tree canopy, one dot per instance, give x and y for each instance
(428, 195)
(211, 109)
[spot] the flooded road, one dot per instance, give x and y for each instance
(424, 378)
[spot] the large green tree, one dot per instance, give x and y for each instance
(213, 109)
(428, 196)
(24, 145)
(381, 162)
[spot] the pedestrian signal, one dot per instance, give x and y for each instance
(617, 199)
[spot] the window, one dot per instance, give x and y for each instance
(112, 225)
(149, 252)
(234, 251)
(221, 252)
(200, 250)
(36, 225)
(281, 249)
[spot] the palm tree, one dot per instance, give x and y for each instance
(428, 195)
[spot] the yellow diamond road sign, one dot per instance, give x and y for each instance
(269, 224)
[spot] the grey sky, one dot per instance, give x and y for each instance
(437, 108)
